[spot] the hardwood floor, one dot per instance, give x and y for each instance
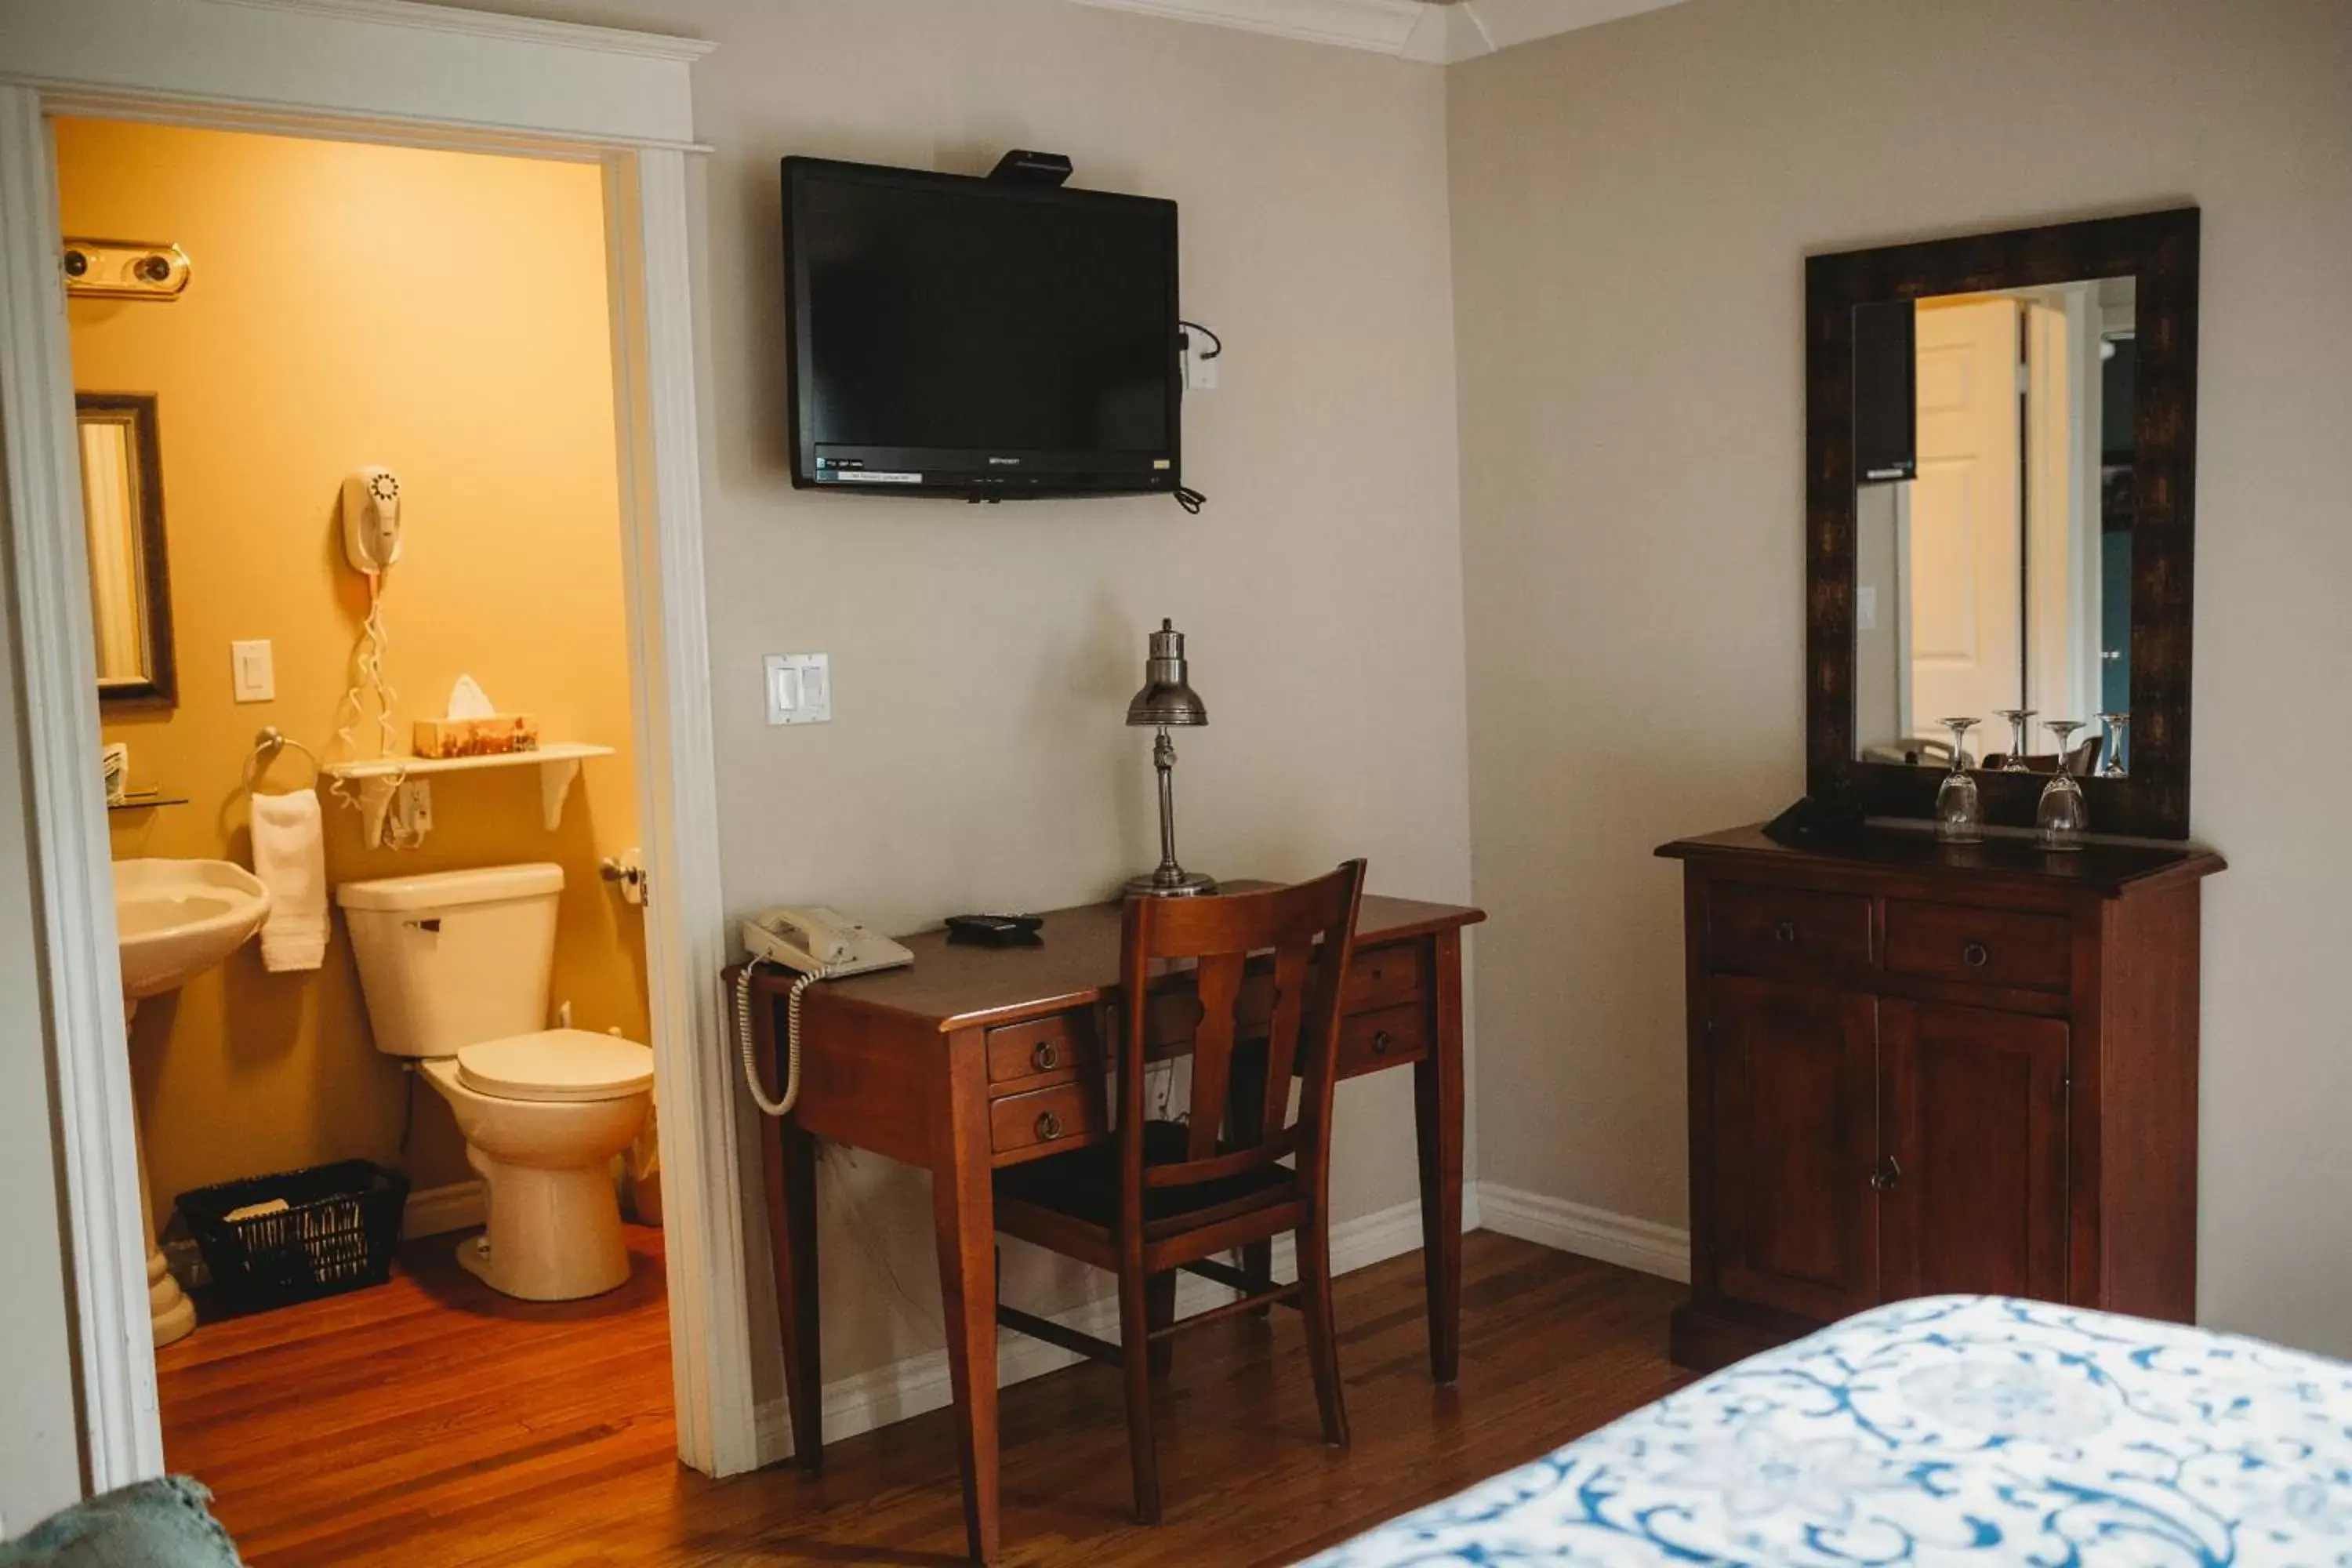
(430, 1423)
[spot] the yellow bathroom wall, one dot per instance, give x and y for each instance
(443, 314)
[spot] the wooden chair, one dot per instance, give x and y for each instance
(1164, 1195)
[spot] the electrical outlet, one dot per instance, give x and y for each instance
(413, 806)
(1201, 357)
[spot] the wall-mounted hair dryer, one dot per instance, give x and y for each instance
(372, 518)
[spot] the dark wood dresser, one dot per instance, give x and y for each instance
(1917, 1067)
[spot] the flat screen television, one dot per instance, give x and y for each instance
(971, 337)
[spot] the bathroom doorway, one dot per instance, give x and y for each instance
(424, 77)
(361, 624)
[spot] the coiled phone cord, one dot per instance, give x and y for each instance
(791, 1039)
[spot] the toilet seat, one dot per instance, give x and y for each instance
(557, 1067)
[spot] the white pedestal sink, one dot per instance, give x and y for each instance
(176, 918)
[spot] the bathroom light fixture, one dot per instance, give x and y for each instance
(1166, 700)
(124, 269)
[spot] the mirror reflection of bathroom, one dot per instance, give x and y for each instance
(1994, 437)
(386, 1014)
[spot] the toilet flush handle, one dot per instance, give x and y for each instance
(430, 924)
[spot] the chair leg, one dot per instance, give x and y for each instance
(1135, 1359)
(1322, 1334)
(1160, 1307)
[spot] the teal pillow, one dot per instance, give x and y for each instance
(152, 1525)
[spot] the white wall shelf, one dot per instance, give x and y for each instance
(380, 778)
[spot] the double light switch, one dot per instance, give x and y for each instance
(800, 688)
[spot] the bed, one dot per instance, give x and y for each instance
(1950, 1430)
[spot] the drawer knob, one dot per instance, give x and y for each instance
(1046, 1058)
(1049, 1127)
(1382, 1042)
(1976, 955)
(1785, 933)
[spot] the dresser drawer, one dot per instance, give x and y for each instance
(1383, 976)
(1066, 1113)
(1371, 1041)
(1061, 1044)
(1985, 947)
(1787, 929)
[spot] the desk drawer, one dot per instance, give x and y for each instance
(1382, 1038)
(1984, 947)
(1783, 931)
(1068, 1113)
(1065, 1044)
(1383, 976)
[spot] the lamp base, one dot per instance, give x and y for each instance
(1159, 884)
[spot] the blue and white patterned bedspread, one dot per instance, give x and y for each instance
(1953, 1430)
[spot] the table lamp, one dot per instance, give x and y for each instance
(1167, 698)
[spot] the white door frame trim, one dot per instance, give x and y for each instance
(383, 70)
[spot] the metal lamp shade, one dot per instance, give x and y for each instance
(1167, 697)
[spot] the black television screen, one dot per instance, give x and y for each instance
(978, 338)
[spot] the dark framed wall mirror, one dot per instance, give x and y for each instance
(2001, 485)
(130, 574)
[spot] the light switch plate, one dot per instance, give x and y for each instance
(253, 671)
(800, 687)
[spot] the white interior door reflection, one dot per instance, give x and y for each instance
(1998, 575)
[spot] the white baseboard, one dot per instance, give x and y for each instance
(866, 1400)
(436, 1210)
(1637, 1244)
(876, 1398)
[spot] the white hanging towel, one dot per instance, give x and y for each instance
(289, 856)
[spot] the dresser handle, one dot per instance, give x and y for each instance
(1785, 933)
(1976, 955)
(1382, 1042)
(1049, 1127)
(1046, 1058)
(1886, 1175)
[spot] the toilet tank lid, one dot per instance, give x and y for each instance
(444, 890)
(557, 1065)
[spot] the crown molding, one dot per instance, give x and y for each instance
(494, 25)
(1384, 27)
(1408, 30)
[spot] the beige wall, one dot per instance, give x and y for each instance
(1631, 206)
(983, 659)
(443, 314)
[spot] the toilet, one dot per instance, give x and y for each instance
(456, 968)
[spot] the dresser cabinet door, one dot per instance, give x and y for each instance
(1791, 1086)
(1973, 1127)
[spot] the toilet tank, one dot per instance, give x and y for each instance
(454, 957)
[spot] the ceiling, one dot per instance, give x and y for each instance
(1441, 32)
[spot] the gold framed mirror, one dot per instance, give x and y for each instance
(122, 524)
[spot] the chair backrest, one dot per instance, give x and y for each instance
(1310, 932)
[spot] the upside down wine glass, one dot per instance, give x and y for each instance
(2111, 745)
(1960, 813)
(2018, 719)
(2063, 816)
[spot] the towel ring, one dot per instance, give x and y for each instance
(267, 744)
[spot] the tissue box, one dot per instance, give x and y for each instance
(491, 735)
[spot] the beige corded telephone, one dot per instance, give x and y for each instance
(821, 944)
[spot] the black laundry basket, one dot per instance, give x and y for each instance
(336, 1233)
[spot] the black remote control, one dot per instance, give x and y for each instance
(997, 930)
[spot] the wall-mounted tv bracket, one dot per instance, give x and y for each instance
(1023, 167)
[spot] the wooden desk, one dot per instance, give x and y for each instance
(980, 1058)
